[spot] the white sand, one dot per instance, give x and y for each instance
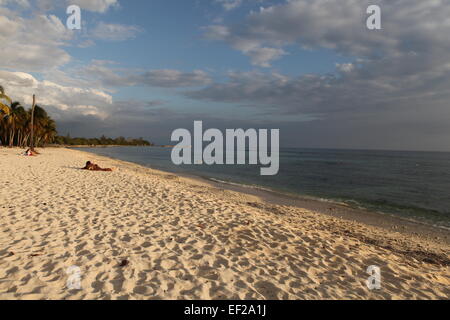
(186, 240)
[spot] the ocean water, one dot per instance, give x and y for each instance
(413, 185)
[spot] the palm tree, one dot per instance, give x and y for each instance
(15, 121)
(44, 126)
(47, 132)
(4, 112)
(20, 127)
(32, 123)
(4, 109)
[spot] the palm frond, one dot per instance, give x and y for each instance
(5, 97)
(5, 109)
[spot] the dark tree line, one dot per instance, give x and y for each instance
(15, 128)
(15, 124)
(102, 141)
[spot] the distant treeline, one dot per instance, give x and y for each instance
(102, 141)
(15, 128)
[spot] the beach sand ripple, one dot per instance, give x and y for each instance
(137, 233)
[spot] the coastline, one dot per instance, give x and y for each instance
(342, 211)
(338, 210)
(188, 238)
(101, 146)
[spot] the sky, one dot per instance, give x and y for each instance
(311, 68)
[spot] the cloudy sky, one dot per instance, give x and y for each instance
(308, 67)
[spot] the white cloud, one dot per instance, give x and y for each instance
(21, 87)
(345, 67)
(397, 86)
(350, 92)
(216, 32)
(164, 78)
(229, 4)
(262, 56)
(259, 55)
(114, 32)
(33, 44)
(172, 78)
(409, 26)
(100, 6)
(21, 3)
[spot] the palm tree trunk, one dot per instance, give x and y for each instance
(11, 138)
(11, 135)
(19, 138)
(32, 123)
(25, 139)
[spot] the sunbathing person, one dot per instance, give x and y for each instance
(30, 153)
(94, 167)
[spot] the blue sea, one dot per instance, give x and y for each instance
(413, 185)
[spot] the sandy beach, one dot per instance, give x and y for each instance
(138, 233)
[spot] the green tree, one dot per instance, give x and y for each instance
(4, 107)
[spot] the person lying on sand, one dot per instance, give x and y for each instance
(30, 153)
(94, 167)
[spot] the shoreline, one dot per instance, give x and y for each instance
(138, 233)
(100, 146)
(345, 212)
(338, 210)
(271, 201)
